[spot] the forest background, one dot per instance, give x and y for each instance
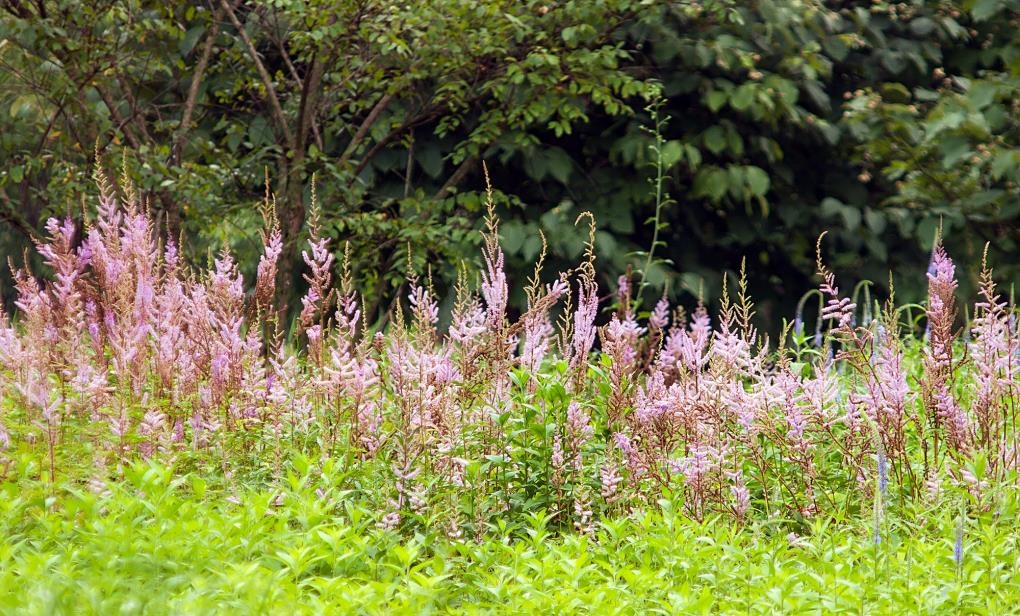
(768, 122)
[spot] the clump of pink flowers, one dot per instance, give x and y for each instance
(567, 408)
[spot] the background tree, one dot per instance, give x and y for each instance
(877, 121)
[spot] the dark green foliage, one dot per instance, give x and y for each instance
(877, 121)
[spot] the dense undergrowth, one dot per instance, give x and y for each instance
(158, 425)
(161, 542)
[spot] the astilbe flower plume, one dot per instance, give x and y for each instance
(686, 352)
(468, 323)
(125, 257)
(993, 350)
(610, 480)
(36, 311)
(954, 421)
(839, 309)
(315, 302)
(700, 469)
(352, 375)
(941, 313)
(620, 340)
(67, 303)
(12, 351)
(657, 322)
(494, 285)
(740, 492)
(584, 330)
(265, 277)
(886, 393)
(583, 325)
(422, 375)
(944, 415)
(578, 431)
(789, 389)
(537, 328)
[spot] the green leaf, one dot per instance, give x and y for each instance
(835, 47)
(672, 153)
(1004, 161)
(893, 61)
(851, 215)
(875, 220)
(954, 149)
(552, 161)
(895, 92)
(430, 157)
(985, 9)
(16, 173)
(757, 179)
(742, 97)
(926, 232)
(259, 132)
(198, 486)
(190, 39)
(715, 100)
(715, 139)
(512, 234)
(531, 247)
(710, 182)
(818, 96)
(693, 156)
(23, 104)
(923, 26)
(736, 181)
(735, 143)
(982, 93)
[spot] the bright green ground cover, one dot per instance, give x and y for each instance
(161, 543)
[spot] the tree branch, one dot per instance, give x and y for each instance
(12, 218)
(267, 80)
(458, 176)
(280, 46)
(362, 131)
(393, 134)
(309, 101)
(122, 123)
(15, 8)
(177, 152)
(135, 116)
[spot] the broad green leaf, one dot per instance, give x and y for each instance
(710, 182)
(693, 156)
(1005, 162)
(982, 10)
(923, 26)
(512, 234)
(875, 220)
(954, 149)
(757, 179)
(715, 139)
(742, 97)
(430, 157)
(672, 153)
(716, 99)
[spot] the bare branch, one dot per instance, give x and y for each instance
(419, 120)
(458, 176)
(122, 123)
(362, 131)
(267, 80)
(11, 216)
(196, 83)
